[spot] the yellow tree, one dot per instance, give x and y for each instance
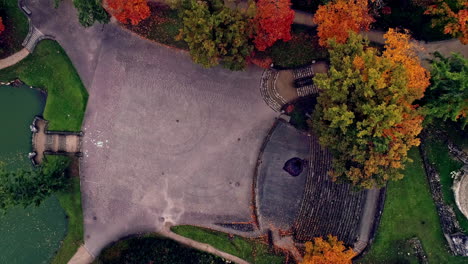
(337, 18)
(365, 113)
(330, 251)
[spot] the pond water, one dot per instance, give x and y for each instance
(30, 235)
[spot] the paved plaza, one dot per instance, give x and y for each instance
(165, 140)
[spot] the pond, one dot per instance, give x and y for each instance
(30, 235)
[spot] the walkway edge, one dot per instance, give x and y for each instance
(201, 246)
(82, 256)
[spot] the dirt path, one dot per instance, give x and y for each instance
(13, 59)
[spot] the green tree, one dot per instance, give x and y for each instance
(364, 114)
(447, 97)
(32, 186)
(214, 32)
(90, 11)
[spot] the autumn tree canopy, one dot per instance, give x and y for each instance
(2, 27)
(273, 21)
(337, 18)
(365, 114)
(453, 16)
(330, 251)
(447, 97)
(129, 11)
(214, 32)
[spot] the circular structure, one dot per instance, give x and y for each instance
(460, 189)
(294, 166)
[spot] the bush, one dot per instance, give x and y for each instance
(410, 17)
(32, 186)
(162, 26)
(302, 49)
(153, 249)
(16, 28)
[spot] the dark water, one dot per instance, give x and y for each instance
(29, 235)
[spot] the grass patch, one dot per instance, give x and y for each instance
(409, 212)
(153, 249)
(16, 28)
(70, 200)
(438, 155)
(247, 249)
(49, 68)
(162, 26)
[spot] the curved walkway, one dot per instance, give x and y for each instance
(446, 47)
(13, 59)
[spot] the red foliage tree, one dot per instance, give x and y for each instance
(273, 21)
(337, 18)
(2, 27)
(129, 11)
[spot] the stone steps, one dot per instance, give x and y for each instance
(305, 72)
(32, 39)
(268, 91)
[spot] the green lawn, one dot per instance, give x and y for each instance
(248, 249)
(70, 200)
(49, 68)
(409, 212)
(16, 28)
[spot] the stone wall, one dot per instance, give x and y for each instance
(458, 242)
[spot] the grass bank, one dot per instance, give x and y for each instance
(409, 212)
(16, 28)
(50, 69)
(70, 200)
(247, 249)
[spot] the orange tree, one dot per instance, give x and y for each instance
(330, 251)
(273, 21)
(2, 27)
(453, 18)
(129, 11)
(365, 114)
(337, 18)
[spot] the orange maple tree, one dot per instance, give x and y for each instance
(454, 22)
(2, 27)
(337, 18)
(273, 21)
(330, 251)
(129, 11)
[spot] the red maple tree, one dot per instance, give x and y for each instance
(273, 21)
(2, 27)
(129, 11)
